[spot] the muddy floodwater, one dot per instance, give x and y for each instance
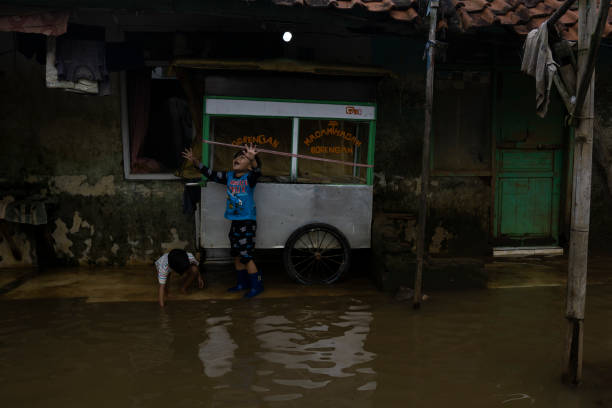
(485, 348)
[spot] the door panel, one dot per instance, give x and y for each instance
(526, 161)
(526, 208)
(528, 165)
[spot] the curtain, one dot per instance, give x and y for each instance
(193, 85)
(139, 103)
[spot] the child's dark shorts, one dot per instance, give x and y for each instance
(242, 239)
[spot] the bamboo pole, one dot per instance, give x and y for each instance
(560, 12)
(429, 96)
(581, 198)
(584, 78)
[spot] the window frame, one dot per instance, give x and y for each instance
(125, 135)
(210, 112)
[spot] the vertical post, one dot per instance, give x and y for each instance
(581, 200)
(371, 142)
(429, 95)
(206, 136)
(294, 149)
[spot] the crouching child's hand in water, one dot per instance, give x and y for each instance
(181, 262)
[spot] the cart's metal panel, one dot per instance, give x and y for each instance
(283, 208)
(219, 106)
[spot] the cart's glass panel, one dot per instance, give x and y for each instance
(343, 140)
(266, 133)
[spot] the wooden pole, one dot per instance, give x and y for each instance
(560, 12)
(581, 200)
(584, 78)
(429, 96)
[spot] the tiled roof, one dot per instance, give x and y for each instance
(519, 15)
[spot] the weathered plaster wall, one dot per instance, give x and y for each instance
(459, 213)
(68, 147)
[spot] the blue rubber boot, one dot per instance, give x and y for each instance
(243, 281)
(256, 285)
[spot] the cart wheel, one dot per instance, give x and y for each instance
(316, 253)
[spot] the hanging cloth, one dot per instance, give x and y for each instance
(538, 62)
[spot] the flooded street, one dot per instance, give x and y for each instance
(483, 348)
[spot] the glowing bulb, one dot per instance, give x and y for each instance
(287, 36)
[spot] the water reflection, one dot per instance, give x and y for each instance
(305, 353)
(480, 349)
(217, 351)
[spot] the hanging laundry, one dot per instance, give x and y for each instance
(82, 85)
(539, 63)
(82, 59)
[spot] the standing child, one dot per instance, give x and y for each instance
(181, 262)
(240, 210)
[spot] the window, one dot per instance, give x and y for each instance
(337, 140)
(341, 133)
(266, 133)
(157, 123)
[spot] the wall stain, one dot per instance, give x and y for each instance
(61, 242)
(176, 243)
(77, 185)
(440, 236)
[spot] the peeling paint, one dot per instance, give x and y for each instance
(136, 259)
(102, 261)
(140, 189)
(380, 179)
(83, 176)
(438, 238)
(76, 223)
(78, 185)
(83, 260)
(61, 243)
(4, 203)
(410, 234)
(176, 243)
(25, 248)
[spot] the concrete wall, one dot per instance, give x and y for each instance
(458, 220)
(68, 147)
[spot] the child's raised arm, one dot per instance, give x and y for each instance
(216, 176)
(251, 154)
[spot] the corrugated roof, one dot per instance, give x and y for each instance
(519, 15)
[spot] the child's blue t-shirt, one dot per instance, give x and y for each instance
(240, 203)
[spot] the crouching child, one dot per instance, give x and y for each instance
(181, 262)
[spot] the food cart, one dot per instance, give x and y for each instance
(315, 210)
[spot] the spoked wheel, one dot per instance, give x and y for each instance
(316, 253)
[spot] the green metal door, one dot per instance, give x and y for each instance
(529, 156)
